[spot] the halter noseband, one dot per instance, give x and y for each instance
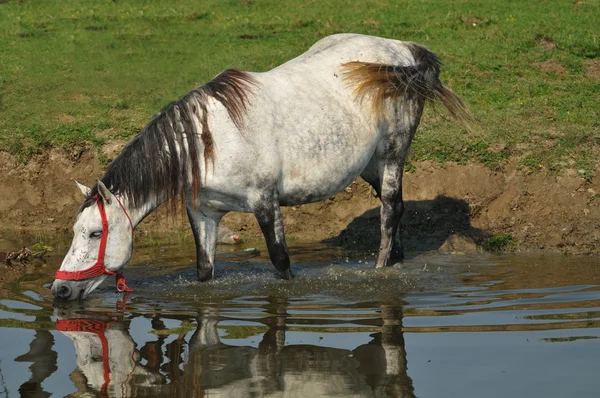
(99, 268)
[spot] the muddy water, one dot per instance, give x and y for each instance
(439, 326)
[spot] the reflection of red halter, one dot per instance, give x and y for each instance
(98, 328)
(99, 268)
(90, 326)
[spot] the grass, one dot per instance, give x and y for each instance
(77, 73)
(500, 242)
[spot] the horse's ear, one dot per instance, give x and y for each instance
(104, 192)
(84, 190)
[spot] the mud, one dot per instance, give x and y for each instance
(452, 208)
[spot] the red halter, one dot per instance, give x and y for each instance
(99, 268)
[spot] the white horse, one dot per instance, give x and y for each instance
(253, 142)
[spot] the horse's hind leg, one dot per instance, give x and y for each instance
(371, 176)
(392, 207)
(389, 160)
(204, 227)
(268, 214)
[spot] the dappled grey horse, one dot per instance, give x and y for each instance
(252, 142)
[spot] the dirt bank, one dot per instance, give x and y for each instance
(451, 208)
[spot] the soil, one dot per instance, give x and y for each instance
(551, 66)
(592, 69)
(450, 208)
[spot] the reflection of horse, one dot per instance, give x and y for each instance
(107, 360)
(253, 142)
(374, 369)
(212, 368)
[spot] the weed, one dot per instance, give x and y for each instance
(185, 328)
(532, 163)
(150, 240)
(500, 242)
(241, 332)
(120, 105)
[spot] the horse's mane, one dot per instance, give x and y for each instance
(162, 160)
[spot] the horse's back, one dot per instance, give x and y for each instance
(305, 128)
(324, 135)
(338, 49)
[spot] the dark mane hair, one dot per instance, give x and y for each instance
(159, 161)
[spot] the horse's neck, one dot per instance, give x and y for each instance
(139, 212)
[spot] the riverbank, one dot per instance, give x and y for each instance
(451, 208)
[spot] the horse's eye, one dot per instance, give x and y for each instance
(96, 234)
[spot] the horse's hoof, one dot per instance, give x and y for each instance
(205, 275)
(287, 274)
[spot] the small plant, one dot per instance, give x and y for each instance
(121, 105)
(40, 246)
(500, 242)
(533, 162)
(587, 175)
(150, 240)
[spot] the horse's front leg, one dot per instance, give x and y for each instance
(204, 227)
(267, 211)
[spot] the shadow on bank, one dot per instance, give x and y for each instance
(442, 224)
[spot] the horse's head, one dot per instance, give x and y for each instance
(102, 244)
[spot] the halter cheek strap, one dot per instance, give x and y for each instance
(99, 268)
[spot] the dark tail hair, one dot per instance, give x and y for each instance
(412, 82)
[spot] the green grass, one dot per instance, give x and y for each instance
(79, 73)
(500, 242)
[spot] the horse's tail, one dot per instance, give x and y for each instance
(419, 81)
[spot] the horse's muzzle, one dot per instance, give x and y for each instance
(68, 290)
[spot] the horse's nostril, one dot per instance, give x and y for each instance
(63, 292)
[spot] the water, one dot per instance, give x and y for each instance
(439, 326)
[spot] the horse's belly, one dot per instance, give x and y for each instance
(324, 136)
(312, 176)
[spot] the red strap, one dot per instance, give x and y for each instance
(122, 283)
(95, 270)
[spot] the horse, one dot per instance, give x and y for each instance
(253, 142)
